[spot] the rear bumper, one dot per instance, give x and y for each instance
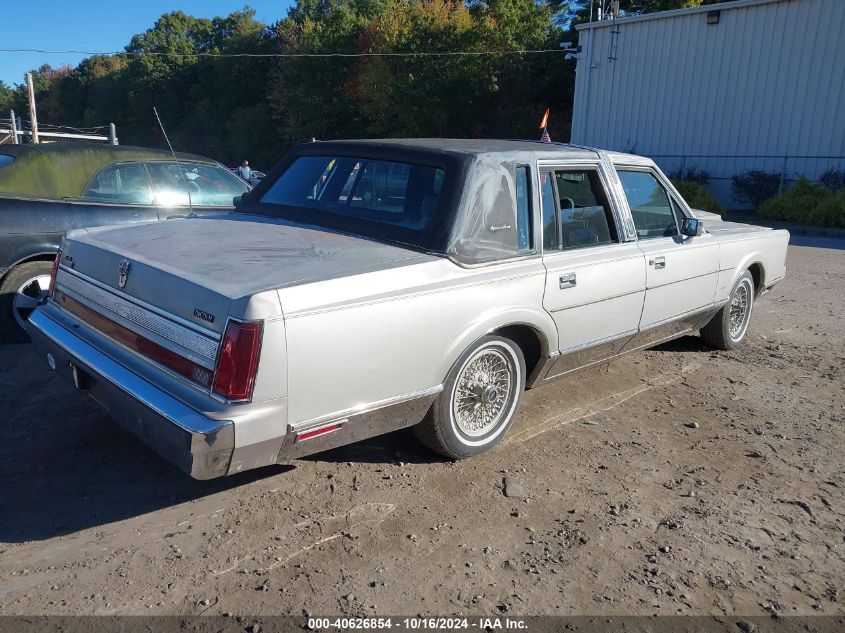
(196, 444)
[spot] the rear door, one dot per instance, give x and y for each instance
(595, 282)
(681, 272)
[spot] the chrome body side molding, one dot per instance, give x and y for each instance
(657, 333)
(306, 425)
(597, 352)
(359, 423)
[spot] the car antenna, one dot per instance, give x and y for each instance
(178, 164)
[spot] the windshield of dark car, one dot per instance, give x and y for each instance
(165, 183)
(375, 198)
(208, 185)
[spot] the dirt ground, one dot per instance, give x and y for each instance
(675, 481)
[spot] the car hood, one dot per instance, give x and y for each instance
(238, 255)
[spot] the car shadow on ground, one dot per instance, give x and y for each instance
(393, 448)
(683, 344)
(107, 476)
(65, 466)
(102, 476)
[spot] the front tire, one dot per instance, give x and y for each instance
(23, 288)
(480, 399)
(728, 328)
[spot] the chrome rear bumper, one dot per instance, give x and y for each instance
(198, 445)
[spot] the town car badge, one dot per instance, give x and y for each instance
(202, 314)
(122, 273)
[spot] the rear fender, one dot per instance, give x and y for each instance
(540, 322)
(753, 258)
(25, 248)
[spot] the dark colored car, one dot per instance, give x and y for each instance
(46, 190)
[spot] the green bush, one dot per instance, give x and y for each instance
(697, 196)
(806, 203)
(831, 212)
(833, 179)
(692, 174)
(755, 186)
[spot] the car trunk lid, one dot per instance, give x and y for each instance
(204, 264)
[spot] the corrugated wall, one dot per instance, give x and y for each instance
(762, 89)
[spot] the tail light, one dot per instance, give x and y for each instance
(238, 361)
(54, 271)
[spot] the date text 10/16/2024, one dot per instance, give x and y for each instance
(417, 624)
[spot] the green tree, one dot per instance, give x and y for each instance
(233, 108)
(7, 99)
(579, 10)
(308, 93)
(95, 91)
(398, 92)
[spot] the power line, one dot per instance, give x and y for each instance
(284, 55)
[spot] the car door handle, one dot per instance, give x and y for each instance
(567, 281)
(658, 262)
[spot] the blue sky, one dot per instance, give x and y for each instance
(92, 25)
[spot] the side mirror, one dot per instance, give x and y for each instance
(692, 227)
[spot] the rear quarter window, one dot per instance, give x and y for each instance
(121, 183)
(6, 160)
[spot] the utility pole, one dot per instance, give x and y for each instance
(32, 115)
(14, 128)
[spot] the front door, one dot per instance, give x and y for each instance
(595, 283)
(681, 272)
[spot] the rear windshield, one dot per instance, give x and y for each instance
(376, 198)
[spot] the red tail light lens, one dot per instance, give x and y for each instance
(54, 271)
(238, 361)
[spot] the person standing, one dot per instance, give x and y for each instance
(244, 171)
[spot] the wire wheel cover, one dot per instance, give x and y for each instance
(740, 310)
(483, 392)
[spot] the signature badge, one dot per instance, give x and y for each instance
(122, 273)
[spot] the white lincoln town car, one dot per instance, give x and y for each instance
(367, 286)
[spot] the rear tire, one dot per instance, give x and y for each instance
(728, 328)
(23, 288)
(479, 402)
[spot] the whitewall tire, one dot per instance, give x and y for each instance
(479, 402)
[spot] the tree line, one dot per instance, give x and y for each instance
(234, 108)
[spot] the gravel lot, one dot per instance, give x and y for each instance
(675, 481)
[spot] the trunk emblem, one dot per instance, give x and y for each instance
(202, 314)
(122, 273)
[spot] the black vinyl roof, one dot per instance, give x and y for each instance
(459, 146)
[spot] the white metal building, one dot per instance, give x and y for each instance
(750, 84)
